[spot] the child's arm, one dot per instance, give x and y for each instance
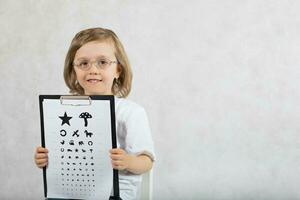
(135, 164)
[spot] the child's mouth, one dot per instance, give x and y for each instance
(94, 80)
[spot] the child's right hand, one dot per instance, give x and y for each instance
(41, 157)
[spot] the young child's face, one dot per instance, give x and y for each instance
(96, 81)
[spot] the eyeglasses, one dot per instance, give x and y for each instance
(102, 63)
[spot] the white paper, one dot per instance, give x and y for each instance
(78, 160)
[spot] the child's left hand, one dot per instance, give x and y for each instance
(119, 159)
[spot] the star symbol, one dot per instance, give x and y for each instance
(65, 119)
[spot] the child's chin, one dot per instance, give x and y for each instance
(96, 93)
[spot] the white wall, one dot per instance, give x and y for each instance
(219, 80)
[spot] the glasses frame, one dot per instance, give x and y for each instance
(90, 63)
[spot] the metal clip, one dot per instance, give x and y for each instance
(75, 100)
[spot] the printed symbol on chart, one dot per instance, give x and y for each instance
(69, 150)
(85, 116)
(92, 164)
(62, 156)
(88, 134)
(75, 133)
(84, 157)
(74, 163)
(63, 133)
(92, 157)
(71, 142)
(83, 150)
(90, 143)
(68, 163)
(80, 143)
(62, 149)
(76, 150)
(91, 150)
(70, 157)
(76, 157)
(62, 142)
(65, 119)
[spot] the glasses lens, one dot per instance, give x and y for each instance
(102, 63)
(84, 65)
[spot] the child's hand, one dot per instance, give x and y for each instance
(41, 157)
(119, 159)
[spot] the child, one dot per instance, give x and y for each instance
(96, 64)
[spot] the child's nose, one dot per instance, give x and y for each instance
(93, 68)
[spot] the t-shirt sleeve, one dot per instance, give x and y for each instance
(138, 139)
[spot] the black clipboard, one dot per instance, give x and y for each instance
(88, 100)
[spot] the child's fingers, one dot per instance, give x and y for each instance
(116, 157)
(42, 165)
(117, 162)
(41, 150)
(41, 161)
(41, 155)
(117, 151)
(117, 165)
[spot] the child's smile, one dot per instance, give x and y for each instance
(94, 80)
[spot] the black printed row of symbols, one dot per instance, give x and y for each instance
(66, 119)
(72, 192)
(75, 150)
(69, 178)
(75, 189)
(67, 174)
(80, 143)
(78, 185)
(79, 175)
(77, 157)
(74, 169)
(80, 163)
(63, 133)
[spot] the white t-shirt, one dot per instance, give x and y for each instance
(134, 136)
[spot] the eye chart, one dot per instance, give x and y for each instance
(78, 132)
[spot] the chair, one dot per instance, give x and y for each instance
(146, 186)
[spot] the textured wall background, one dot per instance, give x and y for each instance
(219, 80)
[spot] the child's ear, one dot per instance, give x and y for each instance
(119, 71)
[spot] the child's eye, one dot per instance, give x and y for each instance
(102, 62)
(83, 64)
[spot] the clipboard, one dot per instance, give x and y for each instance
(72, 123)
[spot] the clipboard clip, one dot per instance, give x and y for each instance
(75, 100)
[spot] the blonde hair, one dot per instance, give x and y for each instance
(121, 87)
